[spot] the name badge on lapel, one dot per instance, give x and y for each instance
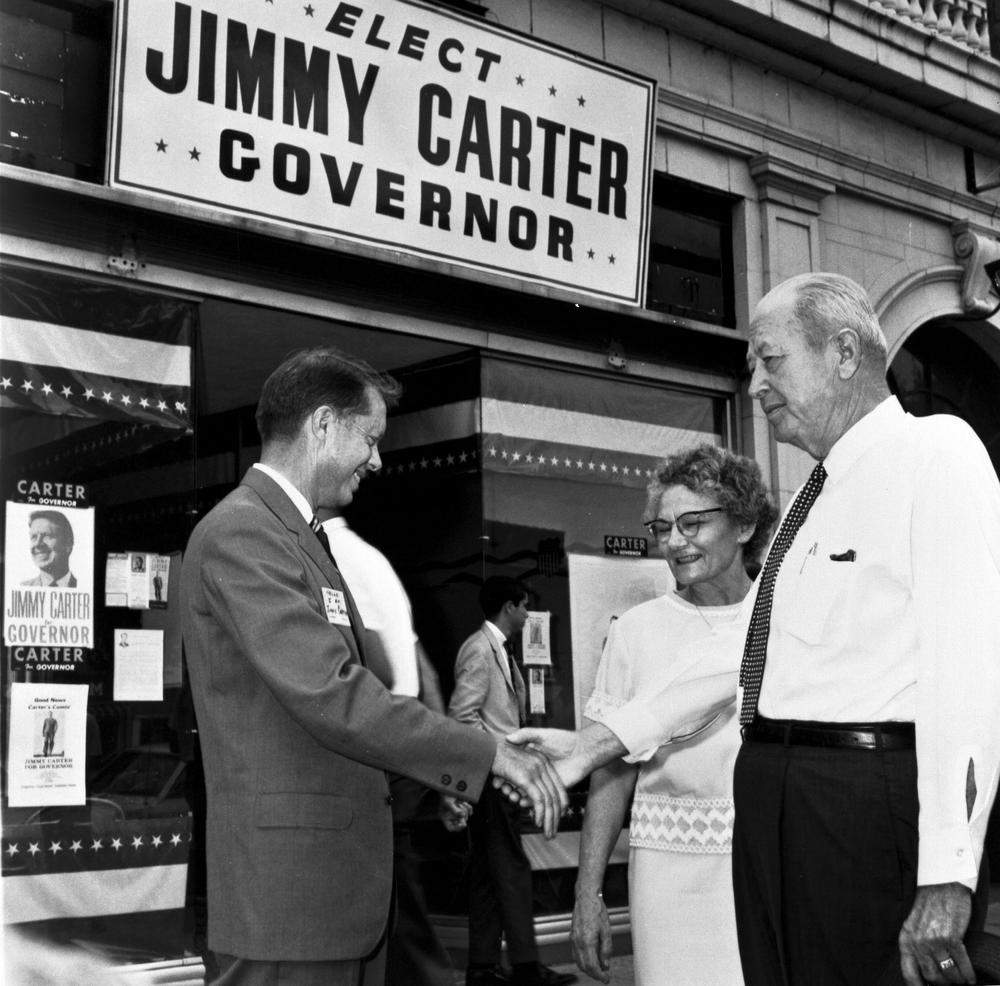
(336, 607)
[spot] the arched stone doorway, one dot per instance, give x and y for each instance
(952, 367)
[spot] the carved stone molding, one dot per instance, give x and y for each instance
(976, 246)
(782, 181)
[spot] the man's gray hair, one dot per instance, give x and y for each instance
(826, 303)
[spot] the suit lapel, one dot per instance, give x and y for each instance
(499, 656)
(277, 501)
(510, 671)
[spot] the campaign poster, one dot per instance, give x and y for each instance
(47, 753)
(394, 128)
(536, 647)
(49, 576)
(536, 691)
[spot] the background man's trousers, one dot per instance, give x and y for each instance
(500, 894)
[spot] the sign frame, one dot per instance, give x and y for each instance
(586, 283)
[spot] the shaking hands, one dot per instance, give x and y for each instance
(534, 767)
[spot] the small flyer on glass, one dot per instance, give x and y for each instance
(136, 580)
(47, 755)
(536, 647)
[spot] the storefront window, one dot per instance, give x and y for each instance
(95, 387)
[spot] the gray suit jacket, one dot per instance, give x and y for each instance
(482, 696)
(296, 735)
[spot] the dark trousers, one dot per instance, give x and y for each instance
(415, 955)
(824, 862)
(500, 894)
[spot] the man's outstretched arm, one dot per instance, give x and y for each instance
(679, 710)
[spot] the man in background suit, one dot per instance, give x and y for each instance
(490, 695)
(296, 733)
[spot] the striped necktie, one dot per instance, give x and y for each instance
(321, 536)
(755, 650)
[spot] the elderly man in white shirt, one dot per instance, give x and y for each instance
(870, 676)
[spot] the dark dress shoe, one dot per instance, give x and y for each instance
(541, 975)
(489, 976)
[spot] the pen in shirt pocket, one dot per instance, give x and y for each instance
(809, 554)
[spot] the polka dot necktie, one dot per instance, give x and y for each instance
(755, 650)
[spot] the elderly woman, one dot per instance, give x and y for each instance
(711, 516)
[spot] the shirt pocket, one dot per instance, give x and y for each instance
(816, 595)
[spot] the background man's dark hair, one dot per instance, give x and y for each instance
(311, 378)
(57, 519)
(499, 589)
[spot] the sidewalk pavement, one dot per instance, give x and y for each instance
(621, 965)
(621, 972)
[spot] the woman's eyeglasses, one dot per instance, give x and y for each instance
(689, 524)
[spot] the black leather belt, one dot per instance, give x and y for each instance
(840, 735)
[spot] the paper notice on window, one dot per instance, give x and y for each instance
(46, 758)
(536, 646)
(135, 579)
(536, 690)
(158, 567)
(138, 666)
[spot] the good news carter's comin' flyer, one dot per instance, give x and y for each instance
(48, 744)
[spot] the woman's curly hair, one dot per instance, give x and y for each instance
(734, 480)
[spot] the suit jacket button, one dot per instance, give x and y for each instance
(389, 799)
(461, 786)
(446, 779)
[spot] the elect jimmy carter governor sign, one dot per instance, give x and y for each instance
(392, 124)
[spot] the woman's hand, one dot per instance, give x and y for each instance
(591, 937)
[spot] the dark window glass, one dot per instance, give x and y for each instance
(54, 70)
(940, 370)
(691, 253)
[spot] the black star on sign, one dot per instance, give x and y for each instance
(552, 90)
(611, 258)
(590, 254)
(309, 10)
(195, 154)
(161, 146)
(581, 101)
(519, 79)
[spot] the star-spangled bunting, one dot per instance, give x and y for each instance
(126, 866)
(98, 350)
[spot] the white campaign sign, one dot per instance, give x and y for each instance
(393, 124)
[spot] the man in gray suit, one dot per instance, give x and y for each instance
(490, 695)
(296, 733)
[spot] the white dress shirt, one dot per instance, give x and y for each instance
(291, 491)
(381, 600)
(908, 630)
